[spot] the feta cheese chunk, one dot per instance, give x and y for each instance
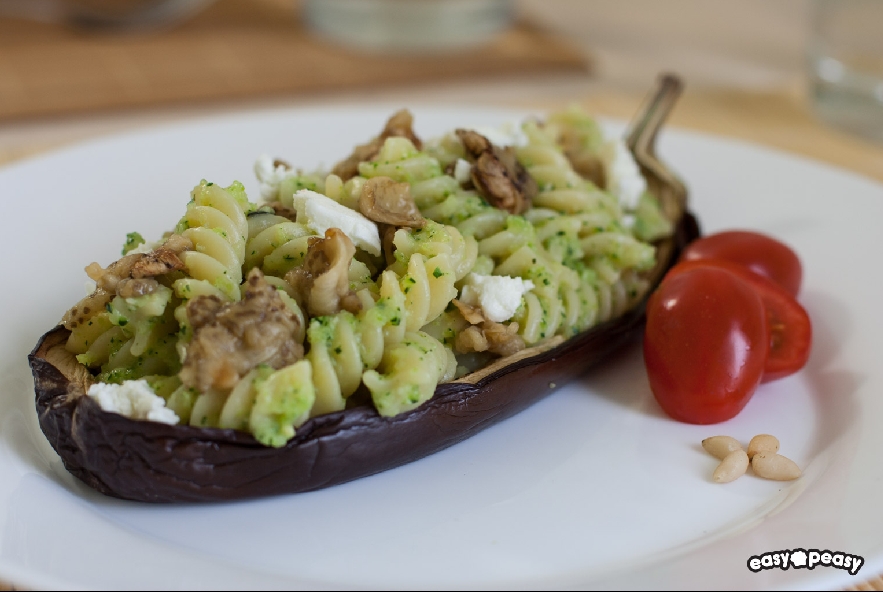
(319, 212)
(462, 171)
(498, 296)
(624, 178)
(133, 398)
(270, 176)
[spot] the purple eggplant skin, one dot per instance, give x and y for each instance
(155, 462)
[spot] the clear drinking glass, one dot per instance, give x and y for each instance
(846, 64)
(422, 26)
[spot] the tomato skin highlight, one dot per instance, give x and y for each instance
(705, 345)
(758, 252)
(788, 323)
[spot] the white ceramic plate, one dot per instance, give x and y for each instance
(592, 487)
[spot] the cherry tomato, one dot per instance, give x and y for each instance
(788, 323)
(705, 344)
(758, 252)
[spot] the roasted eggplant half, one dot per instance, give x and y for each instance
(157, 462)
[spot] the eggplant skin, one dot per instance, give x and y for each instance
(155, 462)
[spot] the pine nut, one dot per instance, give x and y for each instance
(732, 467)
(721, 446)
(770, 465)
(763, 443)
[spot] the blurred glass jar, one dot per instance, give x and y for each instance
(845, 60)
(425, 26)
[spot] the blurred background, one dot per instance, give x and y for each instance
(74, 69)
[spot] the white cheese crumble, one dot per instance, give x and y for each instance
(133, 398)
(462, 171)
(508, 134)
(624, 178)
(498, 296)
(320, 212)
(270, 176)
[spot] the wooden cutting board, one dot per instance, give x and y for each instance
(232, 50)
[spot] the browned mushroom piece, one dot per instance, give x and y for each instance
(128, 277)
(108, 278)
(400, 125)
(107, 282)
(472, 314)
(387, 246)
(157, 262)
(484, 335)
(230, 339)
(322, 283)
(177, 244)
(586, 163)
(386, 201)
(497, 175)
(502, 340)
(281, 163)
(281, 209)
(134, 287)
(474, 143)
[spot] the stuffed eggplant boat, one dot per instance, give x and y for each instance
(353, 320)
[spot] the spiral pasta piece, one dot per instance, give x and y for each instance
(399, 160)
(343, 346)
(131, 338)
(216, 223)
(409, 373)
(275, 244)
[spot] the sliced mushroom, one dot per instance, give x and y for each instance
(132, 288)
(387, 236)
(322, 283)
(586, 163)
(485, 335)
(497, 175)
(474, 142)
(400, 125)
(140, 265)
(389, 202)
(281, 209)
(502, 340)
(229, 339)
(108, 278)
(281, 163)
(472, 314)
(156, 263)
(177, 244)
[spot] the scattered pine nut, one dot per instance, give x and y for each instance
(770, 465)
(763, 443)
(721, 446)
(732, 467)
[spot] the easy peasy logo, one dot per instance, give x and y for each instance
(806, 559)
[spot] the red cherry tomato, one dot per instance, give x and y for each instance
(788, 323)
(758, 252)
(705, 344)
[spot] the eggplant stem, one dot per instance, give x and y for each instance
(661, 181)
(641, 139)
